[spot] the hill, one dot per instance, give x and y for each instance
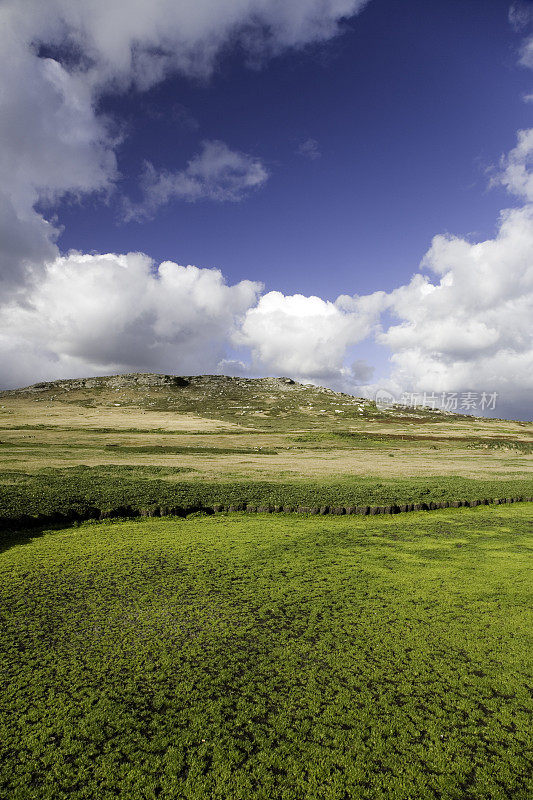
(261, 402)
(250, 401)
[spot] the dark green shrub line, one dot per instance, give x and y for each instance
(126, 512)
(87, 492)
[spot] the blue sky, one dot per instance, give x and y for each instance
(409, 107)
(306, 158)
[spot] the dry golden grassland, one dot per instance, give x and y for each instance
(252, 433)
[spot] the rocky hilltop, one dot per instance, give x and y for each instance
(134, 380)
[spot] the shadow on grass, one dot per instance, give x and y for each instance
(12, 538)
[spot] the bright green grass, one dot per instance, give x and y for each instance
(270, 658)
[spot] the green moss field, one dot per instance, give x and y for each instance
(279, 657)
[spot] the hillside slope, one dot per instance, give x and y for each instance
(251, 401)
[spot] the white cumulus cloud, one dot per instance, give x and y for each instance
(51, 143)
(306, 337)
(113, 313)
(471, 328)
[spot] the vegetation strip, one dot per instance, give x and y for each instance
(128, 512)
(77, 493)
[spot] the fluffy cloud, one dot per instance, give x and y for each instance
(51, 143)
(470, 330)
(216, 173)
(306, 336)
(141, 42)
(82, 314)
(113, 313)
(464, 321)
(58, 56)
